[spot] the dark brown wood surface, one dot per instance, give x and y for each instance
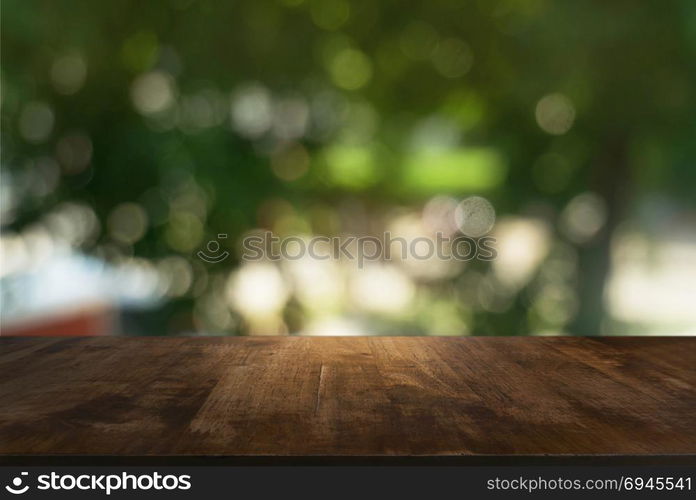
(349, 396)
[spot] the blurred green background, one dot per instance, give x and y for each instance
(134, 133)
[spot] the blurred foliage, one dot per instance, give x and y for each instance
(377, 105)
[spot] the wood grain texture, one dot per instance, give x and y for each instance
(350, 396)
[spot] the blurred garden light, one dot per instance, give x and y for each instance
(522, 245)
(318, 282)
(333, 326)
(583, 217)
(68, 73)
(456, 171)
(381, 289)
(653, 281)
(127, 223)
(36, 122)
(474, 216)
(251, 110)
(555, 114)
(153, 92)
(200, 110)
(411, 238)
(257, 291)
(350, 69)
(290, 118)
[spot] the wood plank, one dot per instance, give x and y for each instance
(348, 396)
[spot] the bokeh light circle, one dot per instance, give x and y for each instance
(474, 216)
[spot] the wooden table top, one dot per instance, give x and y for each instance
(348, 396)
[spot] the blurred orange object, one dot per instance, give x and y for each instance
(84, 322)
